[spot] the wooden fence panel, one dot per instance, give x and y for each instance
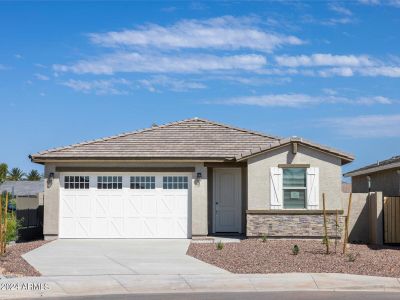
(391, 211)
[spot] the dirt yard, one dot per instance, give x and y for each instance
(13, 265)
(276, 256)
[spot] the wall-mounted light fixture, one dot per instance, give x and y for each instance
(50, 179)
(369, 183)
(199, 175)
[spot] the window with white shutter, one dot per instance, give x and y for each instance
(294, 188)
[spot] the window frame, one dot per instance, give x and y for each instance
(303, 188)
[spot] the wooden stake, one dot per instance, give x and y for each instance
(346, 227)
(5, 224)
(325, 225)
(336, 227)
(1, 224)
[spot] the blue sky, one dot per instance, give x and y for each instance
(328, 71)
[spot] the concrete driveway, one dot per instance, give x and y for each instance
(117, 257)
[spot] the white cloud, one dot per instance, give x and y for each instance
(340, 9)
(366, 126)
(99, 87)
(218, 33)
(169, 83)
(254, 81)
(41, 77)
(321, 59)
(370, 2)
(395, 3)
(37, 65)
(304, 100)
(344, 72)
(143, 63)
(388, 71)
(282, 100)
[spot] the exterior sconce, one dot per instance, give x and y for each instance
(50, 179)
(369, 183)
(197, 179)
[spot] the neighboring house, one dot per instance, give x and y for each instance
(23, 188)
(28, 194)
(189, 178)
(383, 176)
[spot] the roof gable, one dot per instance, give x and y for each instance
(387, 164)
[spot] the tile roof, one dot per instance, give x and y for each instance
(22, 188)
(191, 138)
(391, 163)
(188, 139)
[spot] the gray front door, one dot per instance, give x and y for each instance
(227, 200)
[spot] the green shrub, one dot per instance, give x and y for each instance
(12, 227)
(295, 250)
(264, 237)
(351, 257)
(325, 240)
(220, 245)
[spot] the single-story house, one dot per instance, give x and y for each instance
(382, 176)
(190, 178)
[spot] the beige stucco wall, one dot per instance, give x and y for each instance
(51, 203)
(387, 182)
(366, 217)
(198, 203)
(259, 175)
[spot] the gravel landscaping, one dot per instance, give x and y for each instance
(13, 265)
(276, 256)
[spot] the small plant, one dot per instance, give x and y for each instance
(13, 225)
(264, 237)
(220, 245)
(351, 257)
(295, 250)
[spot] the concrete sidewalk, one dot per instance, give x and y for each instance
(58, 286)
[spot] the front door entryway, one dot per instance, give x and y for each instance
(227, 200)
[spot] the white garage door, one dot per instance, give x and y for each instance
(145, 205)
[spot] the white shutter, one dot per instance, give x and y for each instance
(312, 188)
(276, 188)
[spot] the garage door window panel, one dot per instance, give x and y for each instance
(143, 182)
(175, 182)
(109, 182)
(76, 182)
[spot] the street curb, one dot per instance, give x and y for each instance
(63, 286)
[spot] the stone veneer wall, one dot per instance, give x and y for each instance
(293, 224)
